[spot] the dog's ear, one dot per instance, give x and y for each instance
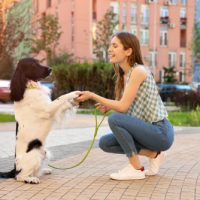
(18, 84)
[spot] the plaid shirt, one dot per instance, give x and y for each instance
(147, 104)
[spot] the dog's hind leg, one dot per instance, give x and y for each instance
(29, 164)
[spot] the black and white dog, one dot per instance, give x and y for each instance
(35, 114)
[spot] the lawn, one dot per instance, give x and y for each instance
(179, 118)
(6, 117)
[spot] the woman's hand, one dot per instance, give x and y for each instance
(84, 95)
(102, 108)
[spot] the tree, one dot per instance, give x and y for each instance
(196, 43)
(11, 34)
(104, 31)
(169, 75)
(49, 36)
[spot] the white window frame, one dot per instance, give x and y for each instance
(124, 11)
(153, 58)
(172, 59)
(163, 38)
(144, 37)
(164, 11)
(133, 29)
(182, 12)
(144, 14)
(115, 7)
(173, 2)
(184, 2)
(182, 60)
(133, 13)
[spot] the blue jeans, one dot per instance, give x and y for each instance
(131, 134)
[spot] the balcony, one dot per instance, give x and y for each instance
(183, 20)
(94, 15)
(164, 20)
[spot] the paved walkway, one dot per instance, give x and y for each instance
(179, 177)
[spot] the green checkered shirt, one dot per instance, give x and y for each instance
(147, 104)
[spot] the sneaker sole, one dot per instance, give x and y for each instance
(128, 178)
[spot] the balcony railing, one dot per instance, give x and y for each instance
(183, 20)
(164, 20)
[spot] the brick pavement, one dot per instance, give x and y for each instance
(179, 177)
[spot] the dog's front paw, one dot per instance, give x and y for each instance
(32, 180)
(73, 95)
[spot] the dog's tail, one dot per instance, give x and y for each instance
(10, 174)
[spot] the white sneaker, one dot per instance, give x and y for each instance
(155, 163)
(128, 173)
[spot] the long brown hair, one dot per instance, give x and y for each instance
(128, 40)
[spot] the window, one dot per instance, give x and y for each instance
(153, 59)
(72, 29)
(145, 15)
(182, 59)
(181, 76)
(115, 7)
(164, 12)
(172, 2)
(172, 59)
(134, 29)
(133, 13)
(182, 13)
(36, 6)
(124, 28)
(49, 3)
(184, 2)
(124, 13)
(144, 36)
(163, 38)
(94, 13)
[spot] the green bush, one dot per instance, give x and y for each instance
(96, 77)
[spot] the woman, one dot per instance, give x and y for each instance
(139, 123)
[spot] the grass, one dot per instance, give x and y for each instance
(190, 118)
(180, 118)
(6, 117)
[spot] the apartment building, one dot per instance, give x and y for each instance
(164, 28)
(196, 63)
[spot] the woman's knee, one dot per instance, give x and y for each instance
(102, 143)
(114, 118)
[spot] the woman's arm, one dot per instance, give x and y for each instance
(138, 75)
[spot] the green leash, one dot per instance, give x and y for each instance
(90, 147)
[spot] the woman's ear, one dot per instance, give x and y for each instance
(129, 51)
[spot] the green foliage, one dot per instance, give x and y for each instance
(195, 116)
(104, 32)
(169, 75)
(96, 77)
(49, 36)
(196, 42)
(185, 118)
(63, 58)
(10, 37)
(6, 117)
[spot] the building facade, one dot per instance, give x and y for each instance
(196, 64)
(164, 28)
